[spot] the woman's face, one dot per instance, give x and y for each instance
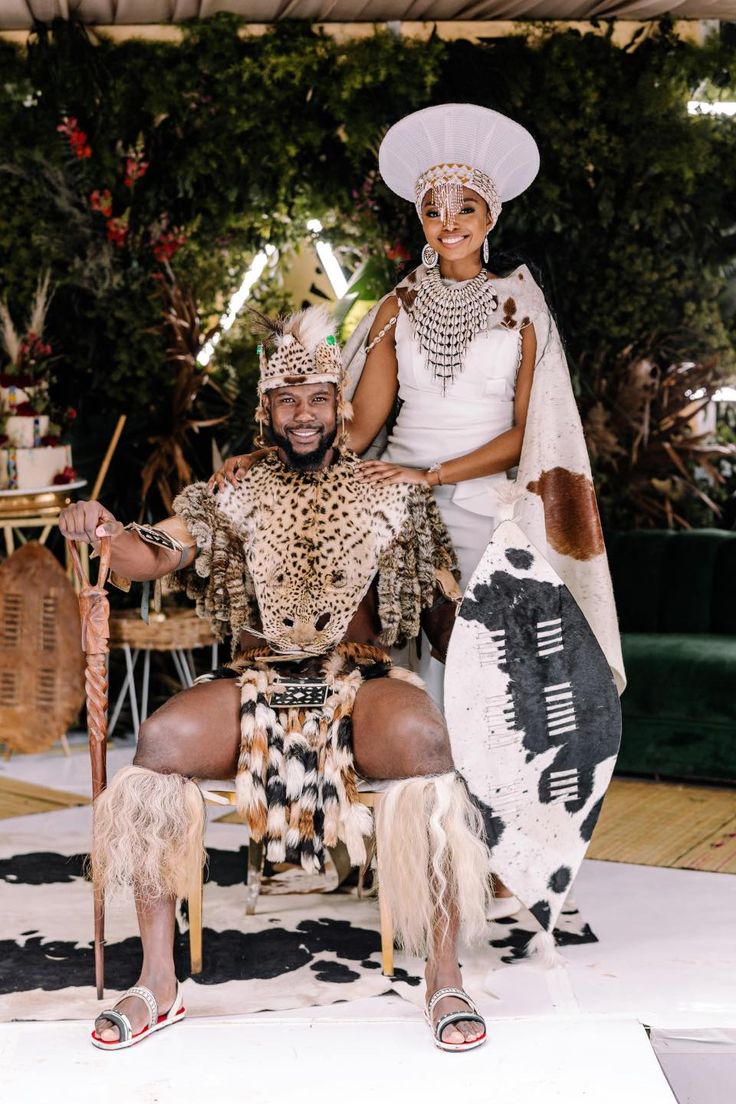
(464, 237)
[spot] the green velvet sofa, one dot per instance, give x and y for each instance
(676, 599)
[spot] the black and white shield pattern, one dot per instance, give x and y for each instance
(534, 719)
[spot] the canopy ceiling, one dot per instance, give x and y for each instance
(20, 14)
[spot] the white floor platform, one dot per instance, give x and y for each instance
(332, 1060)
(666, 959)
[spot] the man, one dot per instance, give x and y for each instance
(315, 573)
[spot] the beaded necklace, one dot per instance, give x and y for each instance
(445, 319)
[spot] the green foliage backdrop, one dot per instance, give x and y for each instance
(236, 141)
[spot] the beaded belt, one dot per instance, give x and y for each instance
(291, 689)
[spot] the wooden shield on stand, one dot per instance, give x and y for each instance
(41, 662)
(534, 719)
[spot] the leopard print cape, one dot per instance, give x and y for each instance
(291, 554)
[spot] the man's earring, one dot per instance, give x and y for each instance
(486, 250)
(430, 256)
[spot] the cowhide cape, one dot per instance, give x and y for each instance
(557, 510)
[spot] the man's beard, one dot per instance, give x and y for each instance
(303, 461)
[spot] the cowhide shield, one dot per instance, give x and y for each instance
(41, 659)
(534, 719)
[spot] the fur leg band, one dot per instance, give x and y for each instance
(433, 862)
(148, 834)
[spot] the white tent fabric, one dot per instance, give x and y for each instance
(20, 14)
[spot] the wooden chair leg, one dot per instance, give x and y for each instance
(387, 937)
(255, 873)
(370, 850)
(387, 928)
(195, 920)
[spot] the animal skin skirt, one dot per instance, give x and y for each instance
(296, 783)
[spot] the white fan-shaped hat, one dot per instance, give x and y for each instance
(458, 134)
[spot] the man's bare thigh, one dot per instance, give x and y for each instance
(398, 731)
(195, 733)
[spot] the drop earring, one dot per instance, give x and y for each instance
(430, 256)
(486, 251)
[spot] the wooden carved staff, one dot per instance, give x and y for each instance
(94, 609)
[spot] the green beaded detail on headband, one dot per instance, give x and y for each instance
(331, 339)
(259, 348)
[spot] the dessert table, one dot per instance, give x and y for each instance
(21, 510)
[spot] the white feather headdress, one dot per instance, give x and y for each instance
(297, 350)
(303, 349)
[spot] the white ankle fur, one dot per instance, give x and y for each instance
(148, 834)
(430, 847)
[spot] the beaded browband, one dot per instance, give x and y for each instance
(447, 182)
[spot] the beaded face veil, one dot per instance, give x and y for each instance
(447, 184)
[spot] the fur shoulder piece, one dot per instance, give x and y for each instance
(520, 301)
(218, 580)
(406, 574)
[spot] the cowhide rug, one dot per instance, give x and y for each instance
(299, 950)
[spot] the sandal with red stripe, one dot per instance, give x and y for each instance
(155, 1023)
(443, 1022)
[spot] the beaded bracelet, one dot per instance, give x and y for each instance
(381, 334)
(436, 467)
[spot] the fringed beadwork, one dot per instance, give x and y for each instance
(447, 183)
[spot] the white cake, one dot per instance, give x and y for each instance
(28, 469)
(26, 432)
(25, 463)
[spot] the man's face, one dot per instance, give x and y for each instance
(303, 421)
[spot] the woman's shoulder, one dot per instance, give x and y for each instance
(386, 314)
(388, 307)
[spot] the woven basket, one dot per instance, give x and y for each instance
(163, 633)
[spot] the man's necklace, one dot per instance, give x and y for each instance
(446, 317)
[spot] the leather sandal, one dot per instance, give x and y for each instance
(156, 1022)
(473, 1016)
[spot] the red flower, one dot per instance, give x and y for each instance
(33, 348)
(49, 441)
(78, 139)
(68, 475)
(67, 125)
(71, 414)
(8, 380)
(102, 202)
(25, 410)
(167, 244)
(117, 231)
(135, 169)
(397, 252)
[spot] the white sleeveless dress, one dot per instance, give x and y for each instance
(431, 425)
